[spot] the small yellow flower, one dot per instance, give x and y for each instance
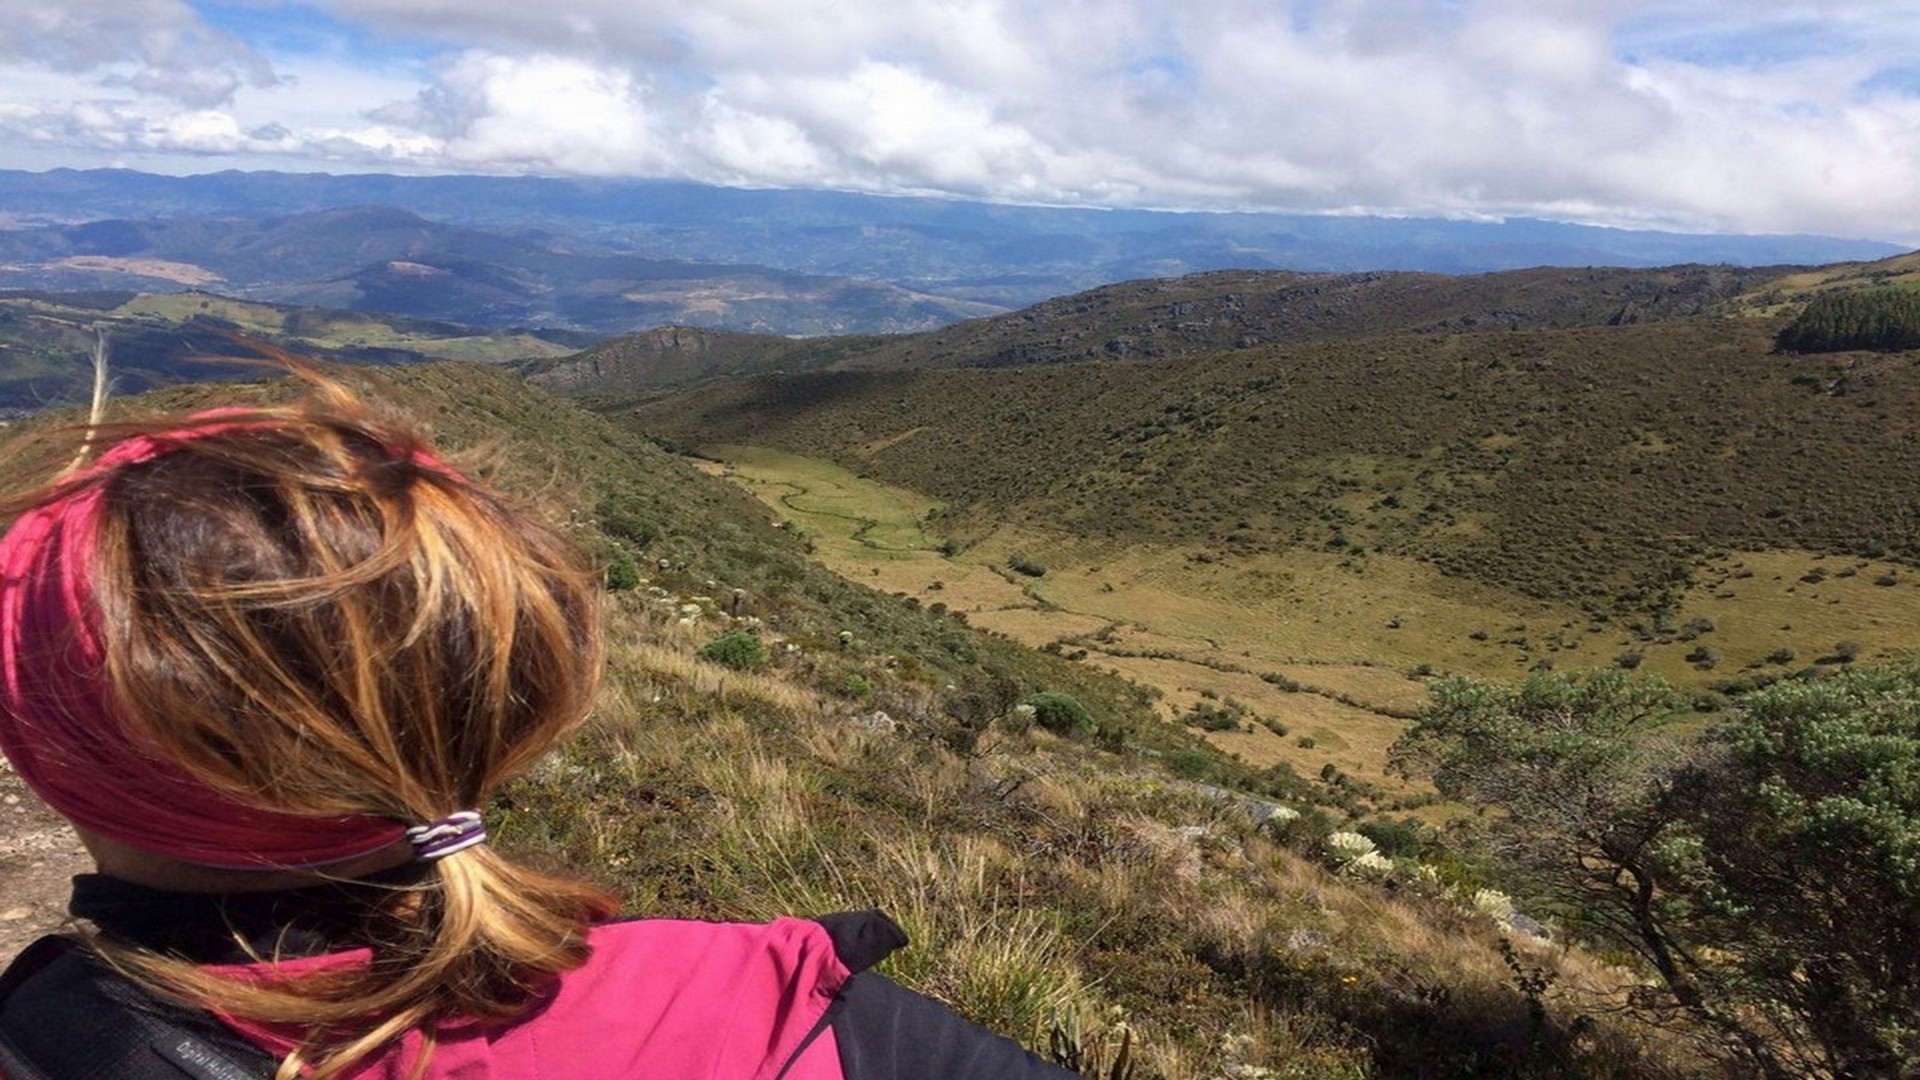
(1349, 978)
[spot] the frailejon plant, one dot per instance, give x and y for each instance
(1348, 846)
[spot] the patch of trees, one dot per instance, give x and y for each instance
(1767, 874)
(1883, 319)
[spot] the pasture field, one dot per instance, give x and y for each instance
(1333, 649)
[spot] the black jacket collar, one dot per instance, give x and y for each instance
(236, 928)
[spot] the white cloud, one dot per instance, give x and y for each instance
(157, 47)
(1680, 113)
(540, 112)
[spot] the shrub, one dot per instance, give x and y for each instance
(621, 571)
(854, 685)
(1401, 838)
(1023, 565)
(1061, 714)
(741, 650)
(1208, 718)
(1763, 874)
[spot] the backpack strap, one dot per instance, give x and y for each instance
(65, 1017)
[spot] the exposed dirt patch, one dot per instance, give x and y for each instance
(39, 854)
(177, 272)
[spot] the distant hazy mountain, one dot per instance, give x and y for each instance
(394, 262)
(155, 339)
(1002, 256)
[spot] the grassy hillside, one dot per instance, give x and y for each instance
(1207, 314)
(1198, 315)
(1083, 896)
(671, 355)
(1788, 294)
(1626, 477)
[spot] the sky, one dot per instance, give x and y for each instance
(1747, 116)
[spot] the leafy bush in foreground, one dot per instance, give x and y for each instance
(1768, 874)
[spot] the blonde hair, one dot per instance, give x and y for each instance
(309, 613)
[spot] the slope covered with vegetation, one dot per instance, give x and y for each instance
(1883, 319)
(1593, 465)
(1083, 892)
(1197, 315)
(1103, 890)
(1104, 895)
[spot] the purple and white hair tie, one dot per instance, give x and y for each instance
(455, 832)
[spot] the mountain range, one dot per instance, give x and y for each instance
(991, 256)
(394, 262)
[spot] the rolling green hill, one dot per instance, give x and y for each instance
(672, 355)
(1205, 314)
(1198, 315)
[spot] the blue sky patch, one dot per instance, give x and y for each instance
(1691, 41)
(1903, 81)
(299, 30)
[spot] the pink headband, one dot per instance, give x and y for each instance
(63, 734)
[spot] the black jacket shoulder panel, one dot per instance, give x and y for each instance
(65, 1017)
(863, 938)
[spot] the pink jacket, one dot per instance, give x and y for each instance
(745, 1002)
(658, 1000)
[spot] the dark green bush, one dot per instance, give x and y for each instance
(620, 571)
(1061, 714)
(1213, 718)
(741, 650)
